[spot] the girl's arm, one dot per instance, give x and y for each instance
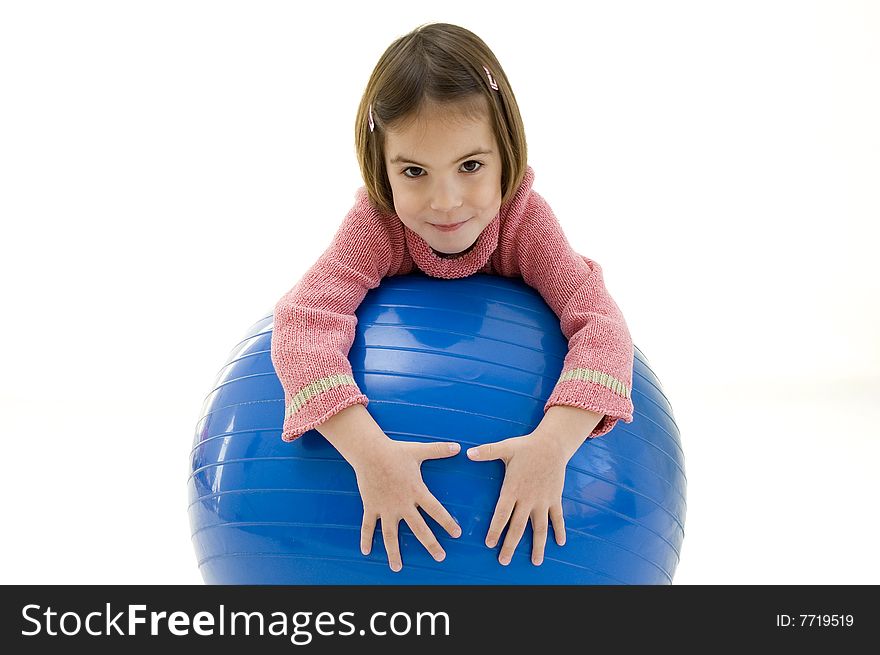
(597, 372)
(315, 321)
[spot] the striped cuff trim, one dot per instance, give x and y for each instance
(319, 386)
(589, 375)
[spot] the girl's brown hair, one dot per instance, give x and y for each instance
(436, 63)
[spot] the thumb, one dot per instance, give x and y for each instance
(486, 451)
(439, 449)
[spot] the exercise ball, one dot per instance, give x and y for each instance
(471, 360)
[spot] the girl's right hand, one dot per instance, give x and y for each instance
(389, 478)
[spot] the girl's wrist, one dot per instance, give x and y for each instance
(564, 443)
(353, 432)
(567, 427)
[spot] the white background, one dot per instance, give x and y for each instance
(169, 169)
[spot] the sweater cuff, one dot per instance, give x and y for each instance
(317, 402)
(597, 392)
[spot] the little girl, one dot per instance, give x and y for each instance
(448, 190)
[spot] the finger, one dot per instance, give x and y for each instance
(423, 533)
(503, 510)
(436, 511)
(539, 536)
(389, 534)
(514, 534)
(558, 524)
(438, 449)
(488, 451)
(368, 527)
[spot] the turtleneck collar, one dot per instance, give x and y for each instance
(454, 267)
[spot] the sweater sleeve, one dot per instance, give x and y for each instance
(314, 322)
(598, 369)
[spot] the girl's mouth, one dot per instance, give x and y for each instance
(449, 228)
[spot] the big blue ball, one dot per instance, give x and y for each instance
(471, 360)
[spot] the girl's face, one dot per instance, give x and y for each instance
(445, 169)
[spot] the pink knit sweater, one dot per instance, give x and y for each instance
(315, 322)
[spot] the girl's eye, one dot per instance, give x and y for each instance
(419, 168)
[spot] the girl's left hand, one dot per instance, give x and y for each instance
(532, 489)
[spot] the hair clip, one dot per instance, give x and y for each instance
(492, 82)
(372, 124)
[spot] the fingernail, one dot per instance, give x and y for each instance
(453, 447)
(396, 567)
(490, 543)
(505, 560)
(440, 557)
(456, 532)
(536, 562)
(473, 452)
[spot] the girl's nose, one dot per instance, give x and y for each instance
(445, 198)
